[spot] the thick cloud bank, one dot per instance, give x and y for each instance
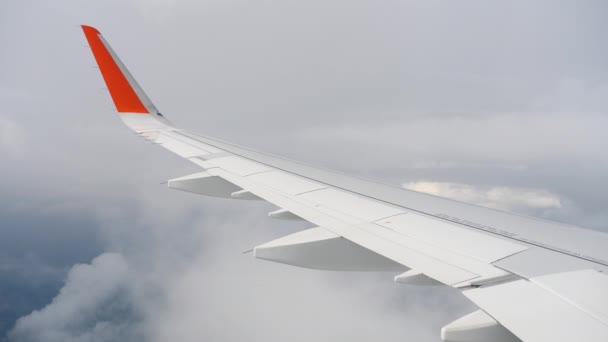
(95, 304)
(219, 293)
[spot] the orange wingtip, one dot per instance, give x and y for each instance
(124, 97)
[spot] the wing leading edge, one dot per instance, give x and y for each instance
(533, 280)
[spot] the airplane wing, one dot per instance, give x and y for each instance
(533, 280)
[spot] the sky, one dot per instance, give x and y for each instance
(503, 104)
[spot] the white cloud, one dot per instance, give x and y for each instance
(94, 305)
(174, 286)
(498, 197)
(236, 297)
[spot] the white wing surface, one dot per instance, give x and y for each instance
(533, 280)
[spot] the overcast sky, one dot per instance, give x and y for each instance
(498, 103)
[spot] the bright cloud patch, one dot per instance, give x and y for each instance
(499, 197)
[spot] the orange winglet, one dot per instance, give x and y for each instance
(124, 97)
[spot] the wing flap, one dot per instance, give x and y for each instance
(367, 235)
(290, 184)
(535, 314)
(179, 147)
(448, 236)
(586, 289)
(350, 204)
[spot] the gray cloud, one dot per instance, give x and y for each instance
(11, 137)
(506, 138)
(95, 304)
(510, 94)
